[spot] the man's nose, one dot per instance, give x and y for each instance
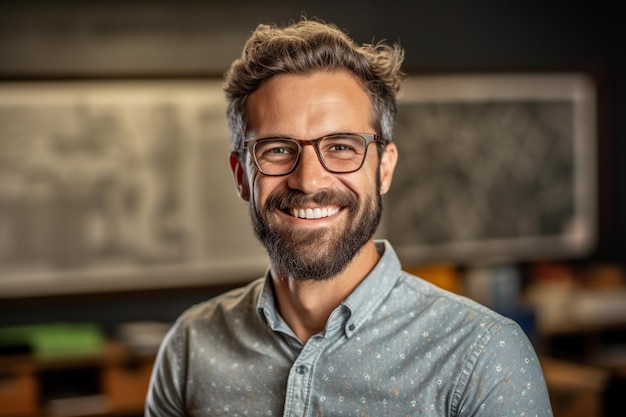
(310, 175)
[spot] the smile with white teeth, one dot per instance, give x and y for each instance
(316, 213)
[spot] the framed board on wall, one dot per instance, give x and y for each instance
(114, 185)
(494, 167)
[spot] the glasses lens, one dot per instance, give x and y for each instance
(276, 156)
(343, 153)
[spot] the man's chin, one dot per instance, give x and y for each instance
(307, 255)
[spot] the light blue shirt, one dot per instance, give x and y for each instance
(396, 346)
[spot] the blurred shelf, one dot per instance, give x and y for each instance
(575, 390)
(113, 382)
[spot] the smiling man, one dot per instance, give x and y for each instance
(335, 327)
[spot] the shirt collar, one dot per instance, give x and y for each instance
(369, 295)
(266, 304)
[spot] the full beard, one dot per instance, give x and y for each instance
(316, 254)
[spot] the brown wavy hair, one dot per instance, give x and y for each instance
(308, 46)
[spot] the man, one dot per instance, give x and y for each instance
(335, 327)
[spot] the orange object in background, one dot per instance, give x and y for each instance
(443, 275)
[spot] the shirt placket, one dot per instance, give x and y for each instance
(300, 381)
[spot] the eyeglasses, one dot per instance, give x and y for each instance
(339, 153)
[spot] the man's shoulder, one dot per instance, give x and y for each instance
(236, 301)
(434, 297)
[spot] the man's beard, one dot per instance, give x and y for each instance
(322, 253)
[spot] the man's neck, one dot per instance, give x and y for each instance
(306, 304)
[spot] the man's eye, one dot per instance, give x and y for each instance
(276, 150)
(279, 150)
(340, 147)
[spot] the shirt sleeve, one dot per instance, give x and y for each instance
(502, 377)
(165, 396)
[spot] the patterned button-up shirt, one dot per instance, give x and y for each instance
(397, 346)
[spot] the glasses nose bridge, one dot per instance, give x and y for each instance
(315, 143)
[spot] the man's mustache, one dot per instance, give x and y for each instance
(293, 198)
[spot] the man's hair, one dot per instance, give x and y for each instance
(308, 46)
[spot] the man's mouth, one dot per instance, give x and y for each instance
(314, 213)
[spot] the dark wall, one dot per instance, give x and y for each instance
(165, 37)
(98, 38)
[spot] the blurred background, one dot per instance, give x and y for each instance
(117, 209)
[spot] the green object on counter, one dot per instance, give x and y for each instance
(53, 340)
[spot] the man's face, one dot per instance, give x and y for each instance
(343, 209)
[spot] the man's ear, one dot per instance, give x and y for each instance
(387, 166)
(237, 167)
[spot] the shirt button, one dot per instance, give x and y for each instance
(351, 326)
(301, 369)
